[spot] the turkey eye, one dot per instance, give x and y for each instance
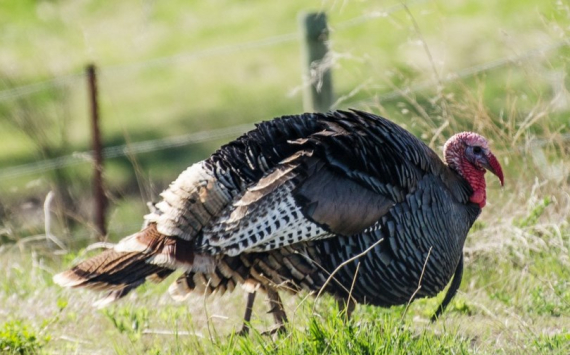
(477, 150)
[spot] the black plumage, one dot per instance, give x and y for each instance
(288, 203)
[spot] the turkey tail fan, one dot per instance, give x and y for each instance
(146, 255)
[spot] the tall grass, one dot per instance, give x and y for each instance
(515, 295)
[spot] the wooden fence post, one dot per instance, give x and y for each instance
(317, 81)
(98, 190)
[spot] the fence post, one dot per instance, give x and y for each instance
(317, 81)
(98, 191)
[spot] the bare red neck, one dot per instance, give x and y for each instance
(476, 179)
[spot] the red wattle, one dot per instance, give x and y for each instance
(479, 197)
(476, 179)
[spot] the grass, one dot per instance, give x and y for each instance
(515, 297)
(17, 338)
(513, 300)
(505, 309)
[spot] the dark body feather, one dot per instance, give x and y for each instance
(287, 203)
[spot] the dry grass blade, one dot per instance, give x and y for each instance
(346, 262)
(419, 285)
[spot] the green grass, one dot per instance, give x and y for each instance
(18, 338)
(515, 296)
(519, 305)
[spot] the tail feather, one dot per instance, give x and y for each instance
(110, 270)
(159, 276)
(181, 288)
(135, 261)
(205, 283)
(115, 295)
(112, 296)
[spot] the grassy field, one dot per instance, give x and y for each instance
(178, 67)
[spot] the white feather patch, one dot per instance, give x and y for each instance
(65, 281)
(179, 291)
(204, 264)
(189, 203)
(104, 302)
(169, 261)
(130, 244)
(269, 223)
(250, 285)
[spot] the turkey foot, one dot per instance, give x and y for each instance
(276, 308)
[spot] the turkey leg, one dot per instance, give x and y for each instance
(276, 308)
(247, 316)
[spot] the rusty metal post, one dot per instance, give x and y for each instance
(98, 190)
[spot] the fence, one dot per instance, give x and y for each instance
(233, 131)
(43, 166)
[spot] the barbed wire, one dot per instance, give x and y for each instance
(227, 49)
(464, 73)
(123, 150)
(193, 138)
(375, 15)
(177, 141)
(28, 89)
(205, 53)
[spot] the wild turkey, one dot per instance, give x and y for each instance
(345, 201)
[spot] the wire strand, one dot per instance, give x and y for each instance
(464, 73)
(200, 54)
(33, 88)
(227, 49)
(122, 150)
(177, 141)
(375, 15)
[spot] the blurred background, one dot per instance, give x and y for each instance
(176, 79)
(171, 74)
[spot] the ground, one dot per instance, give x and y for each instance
(176, 68)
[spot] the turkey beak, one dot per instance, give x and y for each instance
(491, 163)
